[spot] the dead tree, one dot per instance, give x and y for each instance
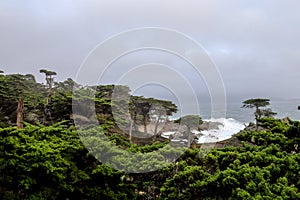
(20, 114)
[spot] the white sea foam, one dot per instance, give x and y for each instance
(229, 128)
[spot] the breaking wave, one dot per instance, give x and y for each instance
(230, 127)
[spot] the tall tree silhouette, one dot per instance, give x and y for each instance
(49, 82)
(258, 104)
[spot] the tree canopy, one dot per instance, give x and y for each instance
(47, 72)
(40, 162)
(258, 104)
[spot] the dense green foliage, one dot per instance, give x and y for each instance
(14, 87)
(51, 161)
(266, 167)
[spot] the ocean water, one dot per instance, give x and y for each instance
(236, 118)
(245, 115)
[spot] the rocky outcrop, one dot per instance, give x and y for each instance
(206, 125)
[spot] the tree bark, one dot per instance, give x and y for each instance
(145, 124)
(156, 125)
(130, 130)
(20, 114)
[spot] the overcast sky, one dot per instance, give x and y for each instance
(255, 44)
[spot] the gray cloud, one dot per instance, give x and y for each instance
(255, 44)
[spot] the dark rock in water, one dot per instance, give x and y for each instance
(210, 126)
(206, 125)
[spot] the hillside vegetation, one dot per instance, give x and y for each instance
(46, 159)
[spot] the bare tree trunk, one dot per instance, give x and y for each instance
(145, 124)
(156, 125)
(20, 114)
(130, 130)
(50, 84)
(256, 118)
(256, 123)
(48, 97)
